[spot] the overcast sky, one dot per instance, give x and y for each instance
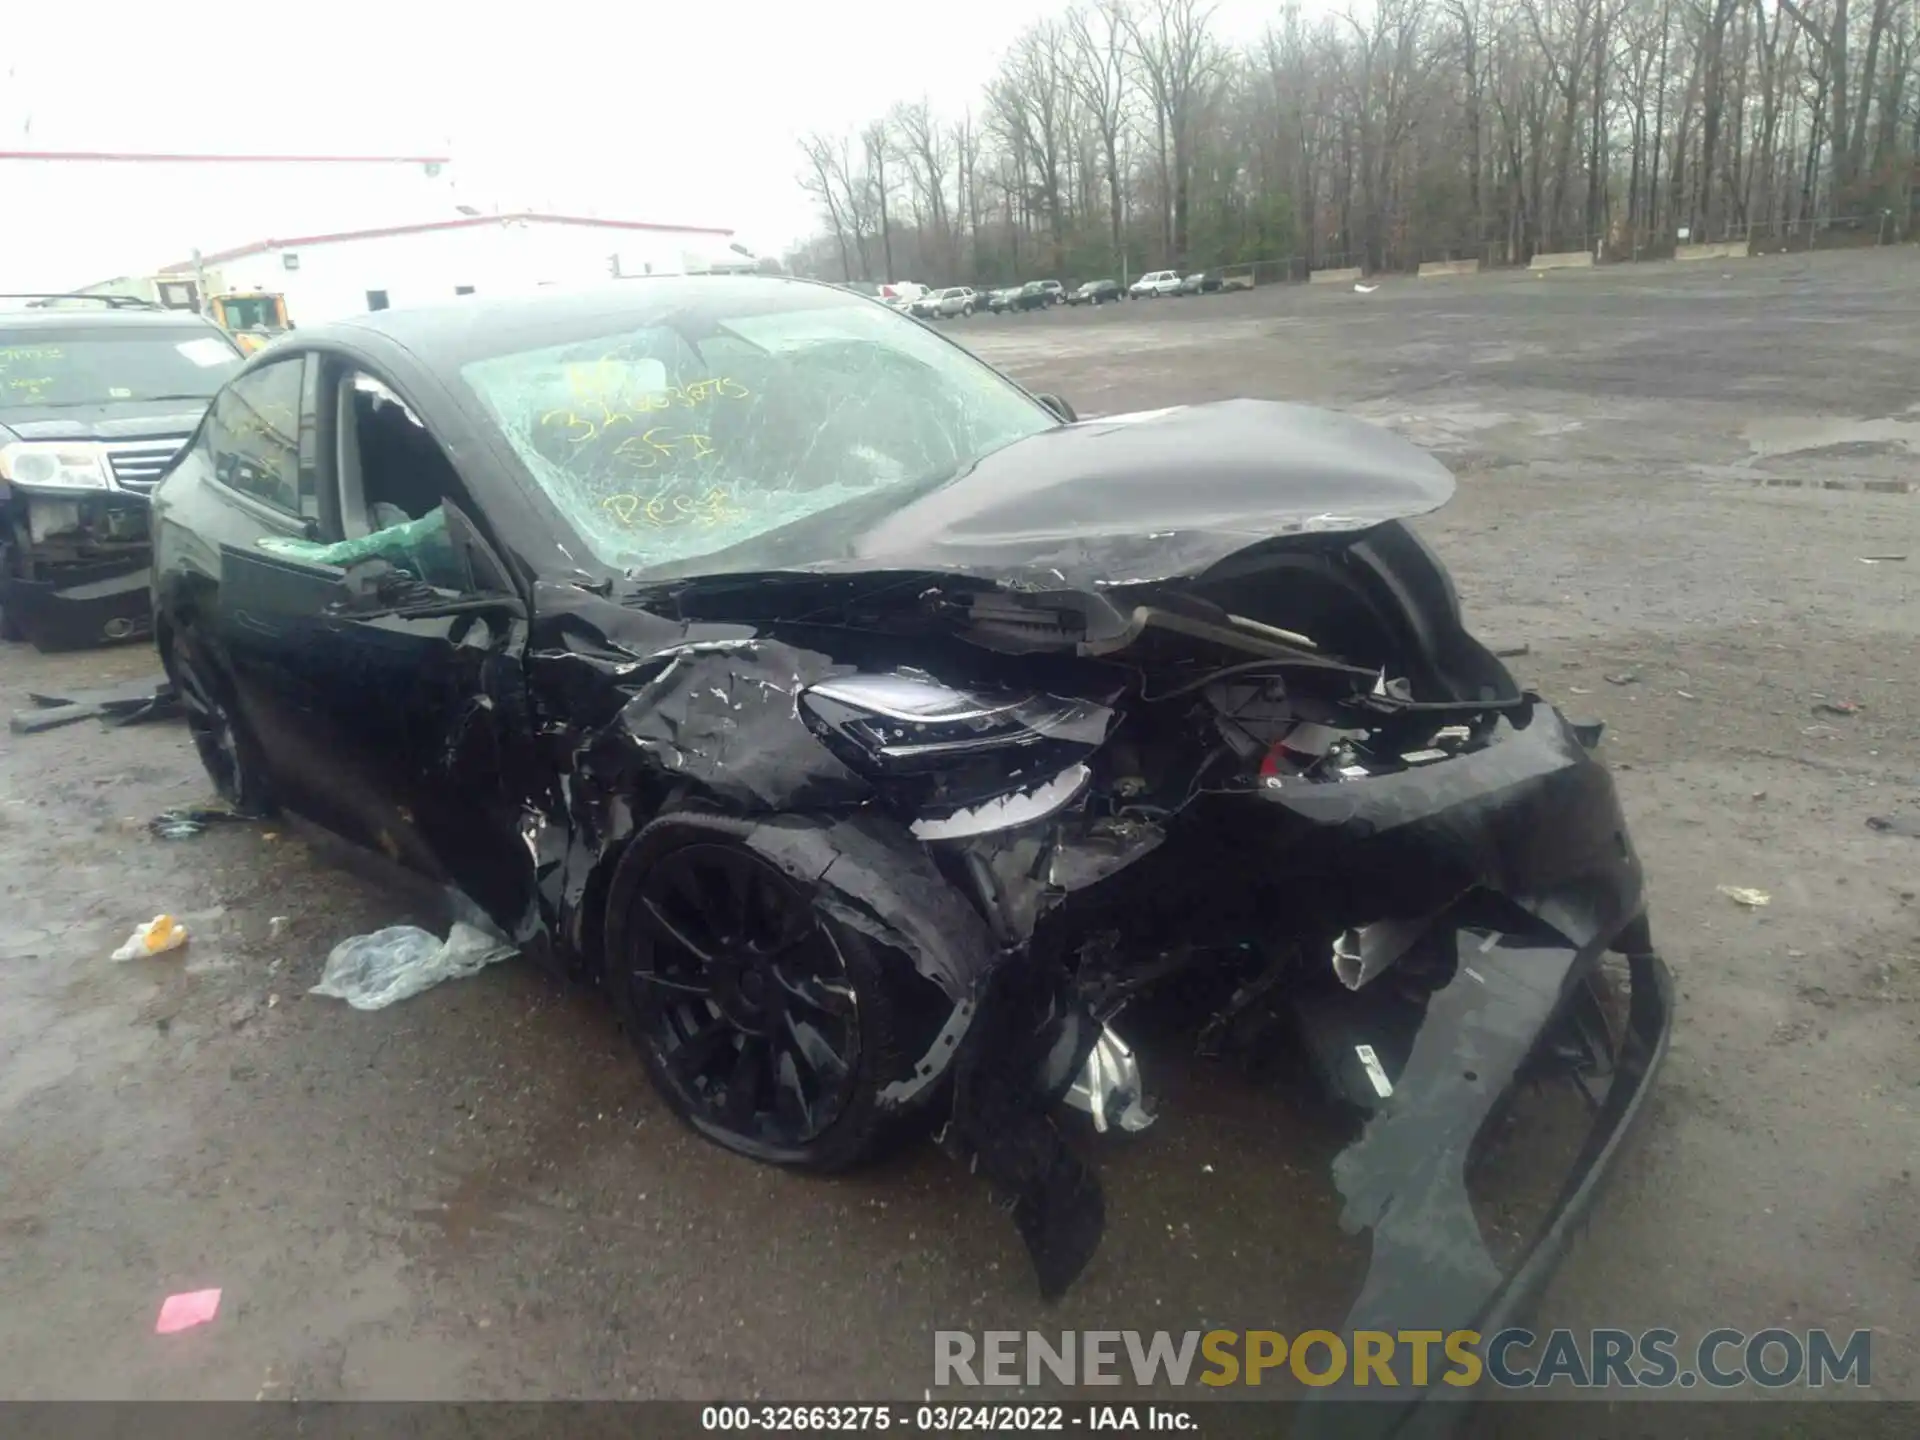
(673, 112)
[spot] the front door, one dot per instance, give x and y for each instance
(392, 669)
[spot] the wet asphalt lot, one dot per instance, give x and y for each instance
(1670, 473)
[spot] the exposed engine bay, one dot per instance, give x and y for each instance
(1295, 801)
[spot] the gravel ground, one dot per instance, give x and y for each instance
(1671, 480)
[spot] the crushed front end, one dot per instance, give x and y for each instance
(1297, 801)
(75, 563)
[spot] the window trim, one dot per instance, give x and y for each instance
(302, 474)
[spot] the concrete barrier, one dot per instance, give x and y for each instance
(1335, 277)
(1721, 250)
(1449, 267)
(1563, 260)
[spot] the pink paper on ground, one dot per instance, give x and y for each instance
(184, 1311)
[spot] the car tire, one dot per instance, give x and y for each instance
(765, 1023)
(966, 312)
(232, 757)
(10, 628)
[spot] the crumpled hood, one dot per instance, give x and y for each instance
(1127, 498)
(108, 420)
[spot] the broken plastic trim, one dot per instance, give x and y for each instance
(1415, 1275)
(1108, 1087)
(1006, 812)
(1361, 953)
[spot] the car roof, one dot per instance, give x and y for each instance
(456, 331)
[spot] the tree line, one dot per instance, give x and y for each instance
(1125, 135)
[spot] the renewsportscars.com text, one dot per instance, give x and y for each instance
(1513, 1359)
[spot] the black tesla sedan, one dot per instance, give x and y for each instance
(876, 734)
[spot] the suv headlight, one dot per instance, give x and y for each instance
(963, 761)
(54, 465)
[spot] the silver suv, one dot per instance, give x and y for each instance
(958, 300)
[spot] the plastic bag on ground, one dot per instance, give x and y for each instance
(371, 972)
(156, 937)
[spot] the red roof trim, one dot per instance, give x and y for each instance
(136, 157)
(261, 247)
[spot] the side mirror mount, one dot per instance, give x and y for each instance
(1059, 407)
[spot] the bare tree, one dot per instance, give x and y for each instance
(877, 141)
(1182, 65)
(1098, 75)
(1390, 131)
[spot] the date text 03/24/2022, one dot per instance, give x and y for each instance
(944, 1419)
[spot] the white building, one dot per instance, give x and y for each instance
(350, 272)
(327, 276)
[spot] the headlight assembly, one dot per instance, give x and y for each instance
(907, 723)
(54, 465)
(962, 762)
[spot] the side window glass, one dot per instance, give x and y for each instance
(254, 435)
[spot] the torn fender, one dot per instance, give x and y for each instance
(873, 877)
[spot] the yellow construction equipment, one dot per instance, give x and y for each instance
(252, 317)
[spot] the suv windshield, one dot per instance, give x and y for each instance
(717, 426)
(56, 368)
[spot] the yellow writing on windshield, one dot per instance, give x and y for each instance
(643, 452)
(716, 507)
(603, 399)
(20, 369)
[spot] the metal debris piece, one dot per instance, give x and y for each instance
(1625, 677)
(1908, 825)
(119, 705)
(1740, 895)
(1109, 1088)
(185, 824)
(32, 722)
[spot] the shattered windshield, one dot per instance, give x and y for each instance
(696, 434)
(92, 366)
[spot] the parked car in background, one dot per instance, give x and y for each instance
(1055, 291)
(1155, 283)
(97, 395)
(902, 294)
(1001, 299)
(1032, 296)
(955, 301)
(1201, 282)
(1096, 292)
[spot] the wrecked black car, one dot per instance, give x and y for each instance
(97, 396)
(877, 734)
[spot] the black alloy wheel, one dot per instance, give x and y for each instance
(232, 759)
(764, 1023)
